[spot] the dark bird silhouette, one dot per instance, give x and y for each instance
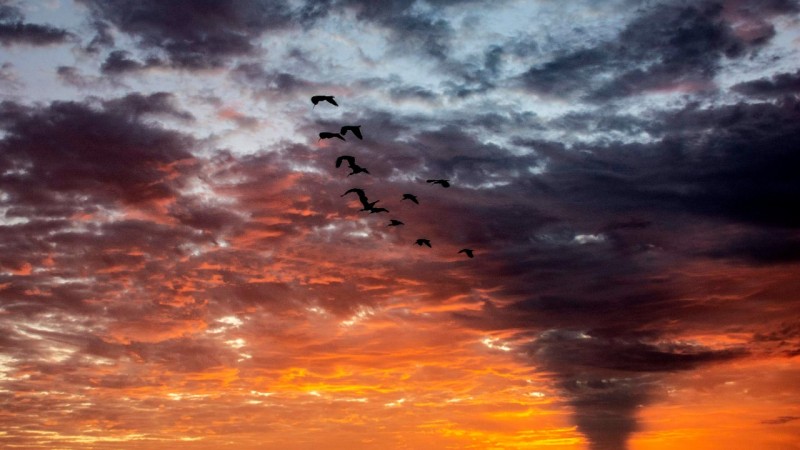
(329, 135)
(444, 183)
(356, 129)
(423, 241)
(323, 98)
(351, 161)
(362, 197)
(411, 197)
(394, 223)
(467, 251)
(374, 210)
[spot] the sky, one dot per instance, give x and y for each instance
(180, 267)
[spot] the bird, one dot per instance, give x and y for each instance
(351, 161)
(467, 251)
(444, 183)
(362, 197)
(374, 210)
(319, 98)
(394, 223)
(423, 241)
(411, 197)
(329, 135)
(356, 129)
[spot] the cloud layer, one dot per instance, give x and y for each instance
(179, 263)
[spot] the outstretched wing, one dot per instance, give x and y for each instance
(356, 129)
(411, 197)
(350, 160)
(331, 101)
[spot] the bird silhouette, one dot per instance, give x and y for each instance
(467, 251)
(374, 210)
(394, 223)
(320, 98)
(444, 183)
(362, 197)
(329, 135)
(356, 129)
(411, 197)
(423, 241)
(351, 161)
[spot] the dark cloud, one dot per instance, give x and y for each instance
(197, 34)
(68, 150)
(714, 184)
(119, 62)
(73, 76)
(271, 82)
(671, 47)
(606, 379)
(103, 37)
(13, 29)
(777, 86)
(765, 247)
(135, 105)
(780, 420)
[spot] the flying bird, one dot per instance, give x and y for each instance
(362, 197)
(444, 183)
(411, 197)
(467, 251)
(356, 129)
(394, 223)
(329, 135)
(423, 241)
(374, 210)
(351, 161)
(323, 98)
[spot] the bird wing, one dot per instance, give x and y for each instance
(350, 160)
(357, 131)
(358, 191)
(332, 101)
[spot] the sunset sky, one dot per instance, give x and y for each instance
(179, 268)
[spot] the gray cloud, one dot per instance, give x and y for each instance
(14, 31)
(194, 35)
(776, 86)
(670, 47)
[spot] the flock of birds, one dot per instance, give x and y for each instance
(369, 206)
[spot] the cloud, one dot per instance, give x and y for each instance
(136, 105)
(123, 160)
(606, 379)
(780, 420)
(9, 78)
(776, 86)
(14, 31)
(119, 62)
(194, 35)
(672, 47)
